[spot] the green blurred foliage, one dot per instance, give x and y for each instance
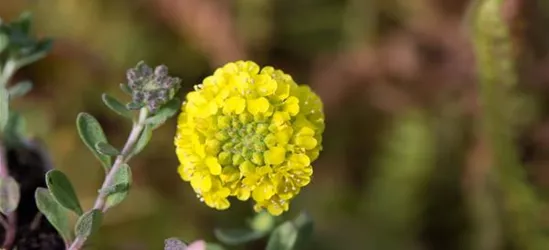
(405, 159)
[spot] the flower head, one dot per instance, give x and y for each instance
(249, 133)
(151, 88)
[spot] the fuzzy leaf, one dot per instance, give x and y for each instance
(20, 89)
(237, 236)
(91, 133)
(55, 213)
(164, 113)
(106, 149)
(63, 191)
(123, 178)
(283, 237)
(9, 195)
(116, 106)
(88, 223)
(114, 189)
(144, 139)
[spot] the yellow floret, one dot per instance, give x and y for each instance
(248, 132)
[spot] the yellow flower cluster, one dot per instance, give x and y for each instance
(249, 132)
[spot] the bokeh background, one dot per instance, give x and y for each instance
(405, 161)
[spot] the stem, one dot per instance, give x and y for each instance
(110, 179)
(11, 224)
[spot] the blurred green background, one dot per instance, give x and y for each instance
(405, 163)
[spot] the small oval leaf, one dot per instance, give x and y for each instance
(88, 223)
(116, 106)
(164, 113)
(63, 191)
(55, 213)
(9, 195)
(20, 89)
(237, 236)
(143, 140)
(106, 149)
(91, 133)
(123, 180)
(283, 237)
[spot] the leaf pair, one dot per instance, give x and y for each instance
(60, 197)
(56, 214)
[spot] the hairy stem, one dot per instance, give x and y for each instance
(124, 156)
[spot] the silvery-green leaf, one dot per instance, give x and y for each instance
(91, 133)
(9, 195)
(283, 237)
(116, 106)
(55, 213)
(20, 89)
(106, 149)
(123, 179)
(88, 223)
(63, 191)
(164, 113)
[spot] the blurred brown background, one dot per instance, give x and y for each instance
(370, 61)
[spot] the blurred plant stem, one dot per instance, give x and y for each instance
(519, 208)
(395, 197)
(10, 225)
(123, 158)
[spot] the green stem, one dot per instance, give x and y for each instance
(123, 158)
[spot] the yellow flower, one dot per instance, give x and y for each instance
(249, 133)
